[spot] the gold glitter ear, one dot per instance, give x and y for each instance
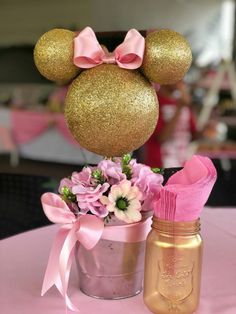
(167, 57)
(53, 55)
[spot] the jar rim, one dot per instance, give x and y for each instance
(183, 228)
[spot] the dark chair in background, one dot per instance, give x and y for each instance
(223, 193)
(20, 206)
(168, 172)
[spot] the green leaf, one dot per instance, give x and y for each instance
(67, 195)
(126, 159)
(98, 176)
(158, 170)
(126, 168)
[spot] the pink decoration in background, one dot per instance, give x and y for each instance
(186, 192)
(6, 140)
(156, 86)
(84, 229)
(28, 125)
(88, 53)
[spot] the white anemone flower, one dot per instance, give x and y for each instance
(124, 201)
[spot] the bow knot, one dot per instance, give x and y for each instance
(109, 58)
(88, 53)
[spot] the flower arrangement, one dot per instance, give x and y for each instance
(118, 186)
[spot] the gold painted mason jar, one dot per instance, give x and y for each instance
(173, 267)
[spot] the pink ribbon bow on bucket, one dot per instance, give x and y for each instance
(84, 229)
(88, 53)
(87, 230)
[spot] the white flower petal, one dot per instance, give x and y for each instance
(104, 200)
(134, 193)
(133, 216)
(134, 205)
(137, 191)
(120, 214)
(115, 193)
(125, 187)
(130, 195)
(111, 207)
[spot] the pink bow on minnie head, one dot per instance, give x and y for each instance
(88, 53)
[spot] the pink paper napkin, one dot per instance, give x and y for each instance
(186, 192)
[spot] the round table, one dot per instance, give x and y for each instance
(23, 260)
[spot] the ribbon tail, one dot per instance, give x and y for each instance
(68, 302)
(52, 275)
(65, 262)
(70, 305)
(87, 230)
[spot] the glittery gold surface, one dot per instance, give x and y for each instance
(53, 55)
(111, 111)
(174, 258)
(167, 57)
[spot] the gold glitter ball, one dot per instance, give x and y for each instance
(167, 57)
(53, 55)
(111, 111)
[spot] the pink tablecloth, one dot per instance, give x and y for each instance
(24, 257)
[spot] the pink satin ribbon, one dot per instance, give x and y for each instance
(88, 53)
(86, 230)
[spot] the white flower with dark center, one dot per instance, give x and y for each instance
(124, 201)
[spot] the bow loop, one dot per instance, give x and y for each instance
(129, 54)
(88, 53)
(90, 231)
(56, 209)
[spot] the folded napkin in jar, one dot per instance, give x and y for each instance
(186, 192)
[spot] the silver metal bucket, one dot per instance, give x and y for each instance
(112, 269)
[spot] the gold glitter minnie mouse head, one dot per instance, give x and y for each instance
(111, 106)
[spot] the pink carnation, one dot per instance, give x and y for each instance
(148, 182)
(78, 178)
(88, 198)
(83, 177)
(112, 171)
